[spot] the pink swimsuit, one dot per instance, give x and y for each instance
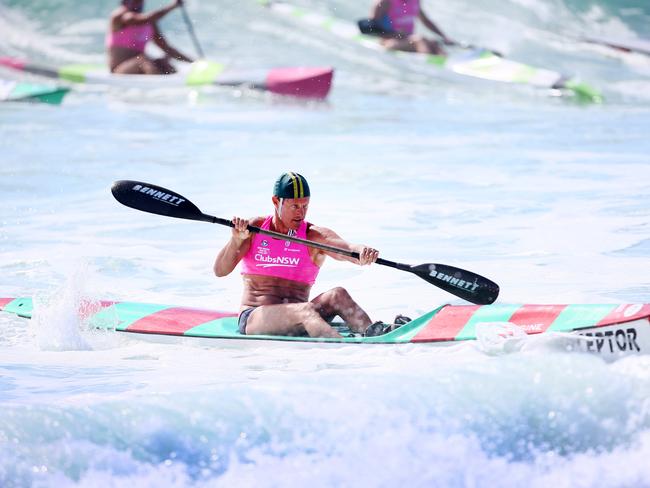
(132, 37)
(402, 15)
(283, 259)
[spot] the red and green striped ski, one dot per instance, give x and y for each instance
(617, 327)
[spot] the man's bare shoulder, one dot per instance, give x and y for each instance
(320, 234)
(117, 16)
(257, 221)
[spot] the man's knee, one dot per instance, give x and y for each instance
(339, 294)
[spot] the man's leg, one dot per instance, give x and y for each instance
(164, 66)
(338, 301)
(414, 44)
(291, 319)
(431, 46)
(138, 65)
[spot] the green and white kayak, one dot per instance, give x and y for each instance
(609, 330)
(299, 82)
(13, 91)
(479, 64)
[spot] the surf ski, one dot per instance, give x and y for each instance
(299, 82)
(473, 63)
(609, 330)
(13, 91)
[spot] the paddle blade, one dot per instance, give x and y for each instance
(464, 284)
(156, 200)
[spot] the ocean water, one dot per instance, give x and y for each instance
(548, 197)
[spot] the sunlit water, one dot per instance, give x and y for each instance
(549, 198)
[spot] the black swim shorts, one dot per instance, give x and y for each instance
(243, 318)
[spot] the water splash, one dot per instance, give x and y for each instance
(57, 321)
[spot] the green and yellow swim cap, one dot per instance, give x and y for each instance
(291, 185)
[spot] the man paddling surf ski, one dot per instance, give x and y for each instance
(129, 32)
(278, 275)
(394, 22)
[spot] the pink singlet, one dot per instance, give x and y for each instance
(132, 37)
(402, 15)
(276, 257)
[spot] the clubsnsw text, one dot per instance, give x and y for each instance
(276, 261)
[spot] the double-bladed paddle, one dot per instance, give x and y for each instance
(157, 200)
(190, 29)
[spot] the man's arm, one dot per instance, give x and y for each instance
(428, 23)
(327, 236)
(379, 10)
(235, 248)
(161, 42)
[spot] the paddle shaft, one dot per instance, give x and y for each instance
(190, 28)
(317, 245)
